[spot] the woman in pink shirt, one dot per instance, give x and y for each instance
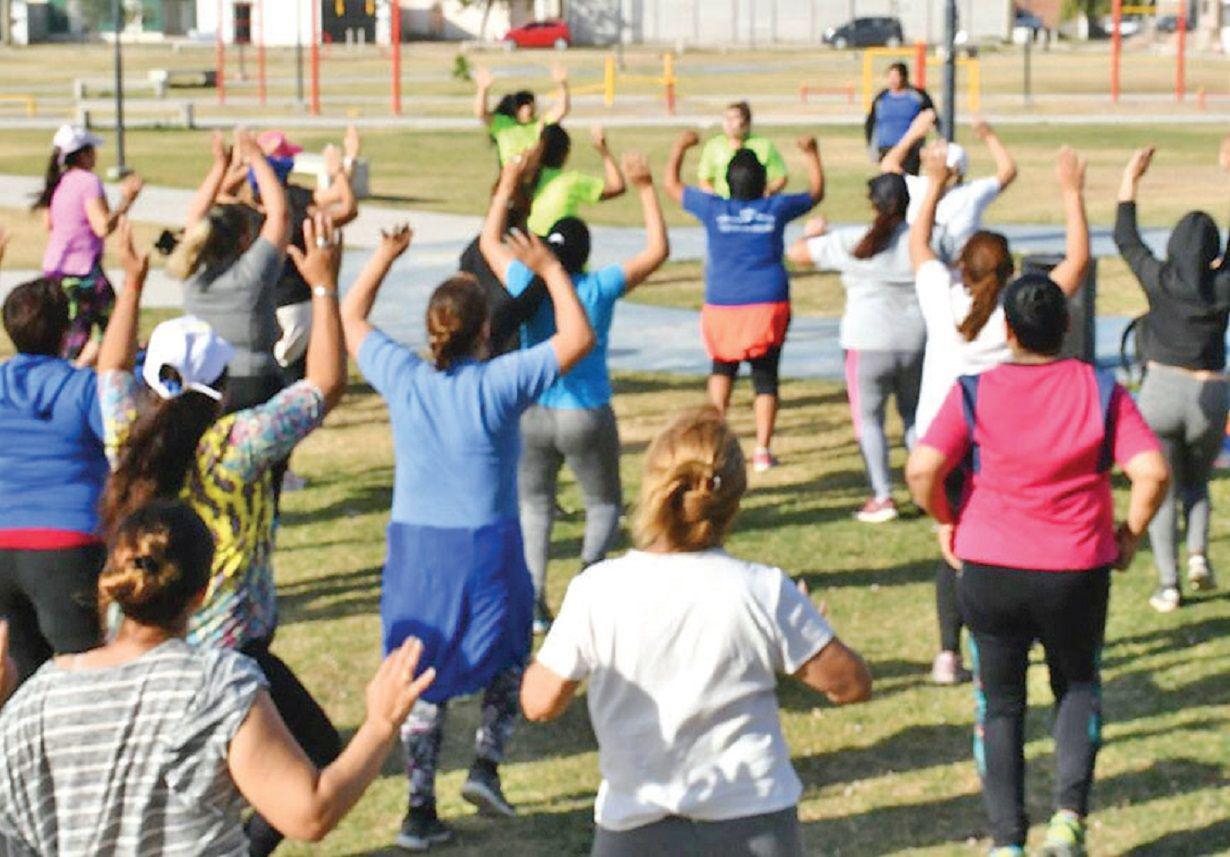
(1035, 538)
(78, 219)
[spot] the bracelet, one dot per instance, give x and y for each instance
(324, 291)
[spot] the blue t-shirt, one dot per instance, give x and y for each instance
(745, 243)
(894, 114)
(455, 433)
(52, 461)
(588, 384)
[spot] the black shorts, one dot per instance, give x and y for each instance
(764, 371)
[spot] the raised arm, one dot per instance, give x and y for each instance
(119, 345)
(563, 99)
(672, 182)
(277, 778)
(205, 195)
(1070, 172)
(276, 228)
(657, 244)
(491, 241)
(1132, 248)
(362, 295)
(613, 179)
(574, 338)
(326, 358)
(102, 219)
(483, 80)
(815, 169)
(894, 159)
(935, 167)
(338, 199)
(1005, 166)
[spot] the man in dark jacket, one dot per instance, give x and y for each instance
(892, 111)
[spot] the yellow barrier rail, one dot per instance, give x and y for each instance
(611, 78)
(28, 101)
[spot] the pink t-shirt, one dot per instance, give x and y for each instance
(73, 248)
(1038, 500)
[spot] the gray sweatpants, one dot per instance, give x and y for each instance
(871, 377)
(774, 834)
(588, 440)
(1189, 418)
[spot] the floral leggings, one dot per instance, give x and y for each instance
(423, 733)
(90, 301)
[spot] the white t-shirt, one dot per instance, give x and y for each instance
(682, 652)
(959, 213)
(945, 303)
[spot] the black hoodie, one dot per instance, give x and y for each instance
(1188, 297)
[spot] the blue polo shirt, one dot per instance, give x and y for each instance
(895, 111)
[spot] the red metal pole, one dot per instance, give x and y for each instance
(920, 64)
(260, 53)
(395, 44)
(1180, 67)
(1116, 47)
(314, 96)
(220, 59)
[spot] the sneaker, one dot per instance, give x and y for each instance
(1166, 599)
(762, 460)
(1065, 836)
(1007, 851)
(482, 788)
(877, 511)
(422, 828)
(542, 617)
(947, 669)
(1199, 574)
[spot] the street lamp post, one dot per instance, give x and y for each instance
(950, 71)
(121, 168)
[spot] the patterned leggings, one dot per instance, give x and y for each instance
(423, 733)
(91, 299)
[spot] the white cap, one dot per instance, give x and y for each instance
(74, 138)
(190, 347)
(957, 160)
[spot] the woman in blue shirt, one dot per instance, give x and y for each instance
(455, 574)
(573, 420)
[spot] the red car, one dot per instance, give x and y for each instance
(539, 34)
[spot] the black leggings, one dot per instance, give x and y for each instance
(50, 599)
(1007, 610)
(764, 371)
(947, 605)
(306, 721)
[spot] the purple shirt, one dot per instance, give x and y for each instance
(73, 248)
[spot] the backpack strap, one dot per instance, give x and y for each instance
(1106, 400)
(969, 401)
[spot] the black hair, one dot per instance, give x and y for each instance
(890, 196)
(55, 172)
(570, 242)
(514, 101)
(36, 317)
(902, 70)
(556, 144)
(745, 175)
(1037, 312)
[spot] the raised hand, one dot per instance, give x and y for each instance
(935, 163)
(982, 128)
(318, 266)
(394, 689)
(221, 151)
(598, 136)
(687, 139)
(352, 144)
(130, 186)
(636, 168)
(135, 264)
(1138, 164)
(483, 78)
(531, 252)
(807, 143)
(395, 241)
(559, 73)
(1070, 169)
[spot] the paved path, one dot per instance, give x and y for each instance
(643, 338)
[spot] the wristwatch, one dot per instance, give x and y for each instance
(324, 292)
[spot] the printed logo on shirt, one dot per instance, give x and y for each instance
(748, 221)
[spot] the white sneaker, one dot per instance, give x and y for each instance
(1166, 600)
(1199, 574)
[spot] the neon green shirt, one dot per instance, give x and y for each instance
(511, 137)
(561, 194)
(715, 158)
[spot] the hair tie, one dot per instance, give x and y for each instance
(715, 482)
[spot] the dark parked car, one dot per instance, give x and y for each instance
(1168, 23)
(866, 33)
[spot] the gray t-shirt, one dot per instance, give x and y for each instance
(882, 312)
(127, 760)
(239, 303)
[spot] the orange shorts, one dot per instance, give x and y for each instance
(735, 333)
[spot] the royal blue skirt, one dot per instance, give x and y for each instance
(466, 594)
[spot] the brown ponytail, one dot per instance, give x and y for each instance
(695, 477)
(159, 561)
(986, 266)
(878, 236)
(456, 316)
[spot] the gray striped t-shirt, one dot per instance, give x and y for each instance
(127, 760)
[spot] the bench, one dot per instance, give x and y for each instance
(182, 113)
(310, 163)
(163, 79)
